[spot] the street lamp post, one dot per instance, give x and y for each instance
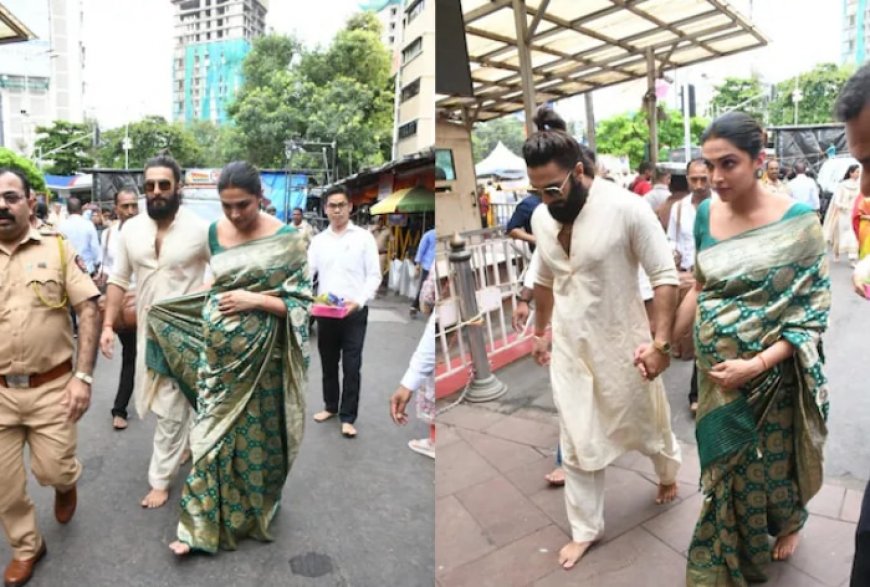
(796, 97)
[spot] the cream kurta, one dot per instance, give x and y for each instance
(605, 407)
(179, 270)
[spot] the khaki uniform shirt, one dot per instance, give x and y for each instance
(37, 334)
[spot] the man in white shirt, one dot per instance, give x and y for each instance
(345, 259)
(804, 189)
(681, 234)
(126, 207)
(82, 235)
(167, 253)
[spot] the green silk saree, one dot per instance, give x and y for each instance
(245, 377)
(760, 446)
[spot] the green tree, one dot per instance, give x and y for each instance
(486, 135)
(219, 143)
(744, 94)
(67, 145)
(9, 158)
(628, 134)
(148, 137)
(819, 88)
(343, 93)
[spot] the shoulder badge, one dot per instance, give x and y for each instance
(48, 230)
(80, 263)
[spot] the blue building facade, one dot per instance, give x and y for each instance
(212, 78)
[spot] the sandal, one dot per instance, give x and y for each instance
(422, 446)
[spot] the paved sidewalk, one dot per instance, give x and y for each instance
(498, 523)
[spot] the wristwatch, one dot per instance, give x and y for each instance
(520, 298)
(662, 347)
(84, 377)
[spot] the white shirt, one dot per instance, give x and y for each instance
(803, 189)
(422, 365)
(82, 235)
(683, 240)
(346, 264)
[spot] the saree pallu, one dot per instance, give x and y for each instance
(245, 376)
(760, 446)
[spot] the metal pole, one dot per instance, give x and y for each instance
(485, 386)
(651, 107)
(525, 65)
(590, 120)
(687, 135)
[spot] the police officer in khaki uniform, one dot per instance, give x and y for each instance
(42, 395)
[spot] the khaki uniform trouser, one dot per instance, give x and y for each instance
(34, 416)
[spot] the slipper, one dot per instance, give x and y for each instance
(422, 446)
(323, 416)
(347, 430)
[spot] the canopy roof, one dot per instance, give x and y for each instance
(501, 162)
(12, 30)
(406, 201)
(575, 46)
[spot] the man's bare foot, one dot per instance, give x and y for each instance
(119, 423)
(323, 416)
(179, 548)
(667, 493)
(572, 552)
(155, 498)
(785, 546)
(556, 477)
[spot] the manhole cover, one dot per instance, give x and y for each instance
(311, 564)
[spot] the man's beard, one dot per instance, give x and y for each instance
(164, 211)
(565, 210)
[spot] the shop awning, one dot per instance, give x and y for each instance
(12, 30)
(406, 201)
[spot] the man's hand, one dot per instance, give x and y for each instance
(238, 301)
(521, 315)
(650, 362)
(735, 373)
(858, 283)
(541, 351)
(351, 307)
(77, 399)
(107, 342)
(398, 402)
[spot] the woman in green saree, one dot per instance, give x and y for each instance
(760, 307)
(239, 352)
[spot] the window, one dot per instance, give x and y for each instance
(412, 50)
(444, 168)
(415, 9)
(411, 90)
(408, 129)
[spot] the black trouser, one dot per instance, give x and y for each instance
(128, 373)
(424, 274)
(342, 340)
(861, 562)
(693, 387)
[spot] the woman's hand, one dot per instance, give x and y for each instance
(238, 301)
(735, 373)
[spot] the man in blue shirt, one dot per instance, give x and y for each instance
(82, 235)
(424, 259)
(520, 224)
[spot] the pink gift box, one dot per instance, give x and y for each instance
(867, 290)
(324, 311)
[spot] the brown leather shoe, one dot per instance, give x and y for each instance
(19, 572)
(65, 505)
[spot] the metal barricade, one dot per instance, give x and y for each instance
(498, 264)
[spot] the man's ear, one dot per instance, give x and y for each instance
(578, 170)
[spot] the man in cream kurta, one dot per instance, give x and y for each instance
(606, 407)
(178, 269)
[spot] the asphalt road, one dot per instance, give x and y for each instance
(355, 512)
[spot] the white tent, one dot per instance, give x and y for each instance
(501, 163)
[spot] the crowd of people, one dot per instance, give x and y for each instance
(735, 275)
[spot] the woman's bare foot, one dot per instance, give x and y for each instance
(179, 548)
(556, 477)
(155, 498)
(572, 552)
(667, 493)
(785, 546)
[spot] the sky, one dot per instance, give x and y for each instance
(129, 50)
